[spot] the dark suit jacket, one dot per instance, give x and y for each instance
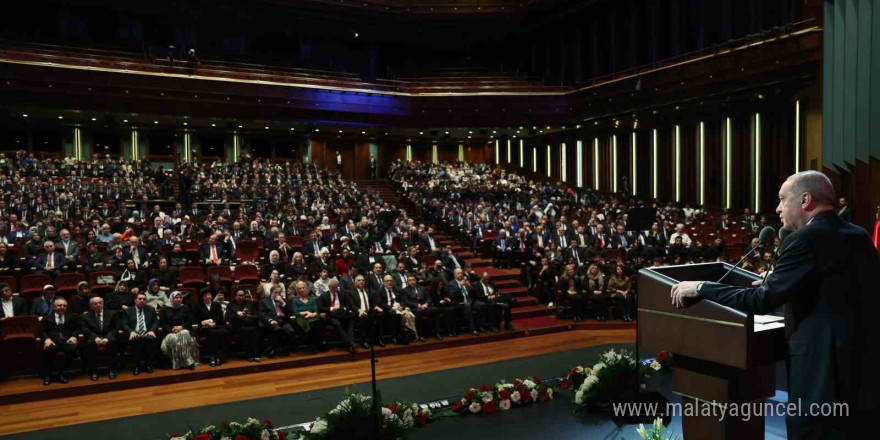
(49, 329)
(453, 292)
(825, 276)
(201, 313)
(380, 298)
(19, 307)
(129, 319)
(355, 299)
(43, 259)
(343, 301)
(90, 327)
(268, 312)
(206, 252)
(413, 297)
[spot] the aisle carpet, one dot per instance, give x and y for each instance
(301, 407)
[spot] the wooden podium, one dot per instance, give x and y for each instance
(722, 355)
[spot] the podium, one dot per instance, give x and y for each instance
(722, 355)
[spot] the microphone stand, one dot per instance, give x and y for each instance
(747, 255)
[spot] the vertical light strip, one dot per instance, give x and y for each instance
(497, 153)
(521, 158)
(564, 161)
(235, 147)
(797, 136)
(728, 158)
(596, 164)
(677, 163)
(654, 163)
(549, 162)
(134, 142)
(77, 146)
(757, 163)
(508, 151)
(702, 163)
(580, 164)
(461, 152)
(434, 155)
(187, 142)
(614, 163)
(409, 153)
(635, 167)
(534, 159)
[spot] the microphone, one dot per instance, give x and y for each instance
(766, 235)
(782, 234)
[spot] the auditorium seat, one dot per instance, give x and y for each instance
(66, 283)
(32, 285)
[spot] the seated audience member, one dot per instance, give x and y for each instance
(303, 310)
(101, 329)
(156, 298)
(59, 331)
(276, 321)
(166, 275)
(242, 315)
(596, 292)
(12, 305)
(208, 314)
(133, 277)
(50, 262)
(120, 298)
(571, 288)
(140, 323)
(213, 254)
(417, 300)
(362, 302)
(44, 305)
(620, 290)
(176, 321)
(80, 303)
(389, 312)
(497, 303)
(274, 282)
(457, 291)
(7, 262)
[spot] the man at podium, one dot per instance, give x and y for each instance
(825, 276)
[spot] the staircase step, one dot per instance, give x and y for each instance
(506, 284)
(531, 311)
(514, 291)
(526, 301)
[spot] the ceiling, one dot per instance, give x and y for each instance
(427, 7)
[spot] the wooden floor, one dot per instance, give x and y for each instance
(20, 417)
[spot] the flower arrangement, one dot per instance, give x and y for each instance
(655, 432)
(606, 380)
(663, 361)
(252, 429)
(352, 419)
(503, 396)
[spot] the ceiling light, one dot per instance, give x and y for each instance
(155, 122)
(94, 119)
(24, 115)
(447, 132)
(291, 128)
(185, 123)
(266, 128)
(340, 131)
(363, 132)
(61, 117)
(421, 132)
(239, 126)
(213, 125)
(317, 129)
(126, 120)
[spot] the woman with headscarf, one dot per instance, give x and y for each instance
(79, 303)
(596, 292)
(133, 277)
(304, 308)
(242, 315)
(166, 275)
(179, 344)
(156, 297)
(274, 264)
(620, 289)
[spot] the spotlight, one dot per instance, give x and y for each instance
(94, 119)
(24, 115)
(61, 117)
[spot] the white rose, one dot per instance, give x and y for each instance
(178, 438)
(504, 405)
(264, 435)
(610, 356)
(550, 392)
(589, 383)
(597, 368)
(528, 384)
(534, 395)
(408, 417)
(225, 438)
(579, 397)
(487, 397)
(656, 365)
(386, 413)
(515, 397)
(579, 369)
(474, 408)
(588, 371)
(319, 427)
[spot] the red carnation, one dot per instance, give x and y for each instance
(268, 424)
(489, 407)
(420, 419)
(281, 435)
(662, 356)
(485, 388)
(525, 396)
(242, 437)
(457, 406)
(544, 394)
(470, 393)
(565, 383)
(203, 436)
(517, 383)
(538, 380)
(505, 394)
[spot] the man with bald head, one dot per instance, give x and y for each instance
(826, 277)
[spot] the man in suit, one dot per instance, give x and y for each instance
(12, 305)
(497, 303)
(50, 262)
(313, 246)
(336, 305)
(399, 276)
(59, 331)
(420, 304)
(457, 292)
(208, 313)
(101, 328)
(375, 279)
(346, 281)
(46, 303)
(429, 243)
(503, 246)
(372, 166)
(140, 323)
(575, 253)
(136, 254)
(844, 211)
(275, 319)
(825, 276)
(69, 248)
(362, 305)
(388, 309)
(213, 253)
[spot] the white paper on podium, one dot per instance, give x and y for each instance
(768, 322)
